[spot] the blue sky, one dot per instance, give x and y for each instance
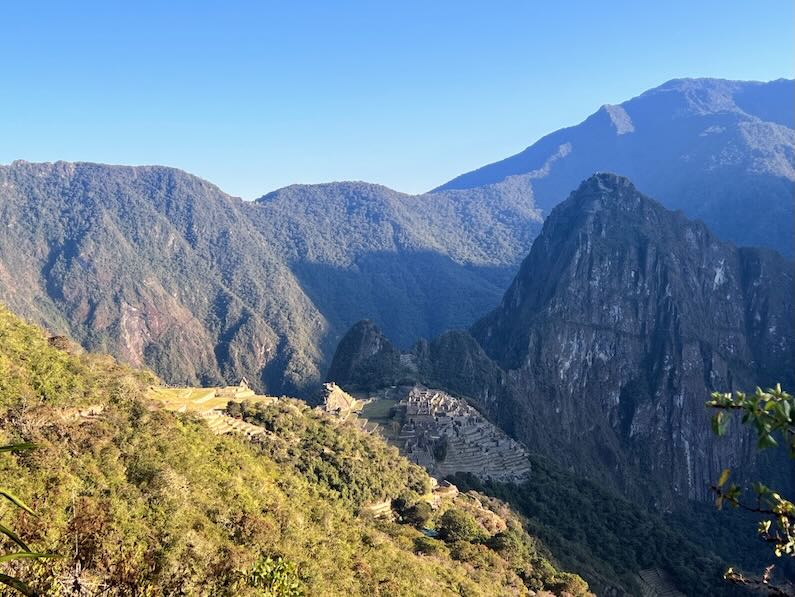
(257, 95)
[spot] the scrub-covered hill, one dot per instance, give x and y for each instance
(137, 500)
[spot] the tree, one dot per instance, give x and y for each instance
(418, 515)
(457, 525)
(770, 413)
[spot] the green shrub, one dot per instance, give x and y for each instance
(458, 525)
(275, 577)
(430, 547)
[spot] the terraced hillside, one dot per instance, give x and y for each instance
(210, 404)
(441, 433)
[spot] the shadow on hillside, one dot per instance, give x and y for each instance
(408, 295)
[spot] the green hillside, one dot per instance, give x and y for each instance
(141, 501)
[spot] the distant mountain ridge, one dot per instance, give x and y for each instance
(621, 321)
(721, 151)
(162, 268)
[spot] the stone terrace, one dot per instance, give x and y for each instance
(474, 445)
(210, 404)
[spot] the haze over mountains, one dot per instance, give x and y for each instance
(721, 151)
(266, 289)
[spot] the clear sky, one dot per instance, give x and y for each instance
(257, 95)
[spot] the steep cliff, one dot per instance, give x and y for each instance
(622, 319)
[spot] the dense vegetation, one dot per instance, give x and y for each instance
(348, 465)
(360, 470)
(140, 501)
(163, 269)
(608, 540)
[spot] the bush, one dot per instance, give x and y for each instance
(276, 577)
(419, 515)
(430, 547)
(457, 525)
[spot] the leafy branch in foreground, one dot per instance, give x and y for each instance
(770, 413)
(24, 553)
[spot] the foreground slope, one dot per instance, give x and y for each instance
(139, 500)
(721, 151)
(621, 321)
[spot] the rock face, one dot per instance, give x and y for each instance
(721, 151)
(622, 319)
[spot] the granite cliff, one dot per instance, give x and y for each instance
(621, 320)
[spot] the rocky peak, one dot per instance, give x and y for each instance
(621, 321)
(628, 315)
(364, 353)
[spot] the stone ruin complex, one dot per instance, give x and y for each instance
(446, 435)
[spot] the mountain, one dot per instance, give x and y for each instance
(163, 269)
(418, 264)
(135, 499)
(157, 267)
(721, 151)
(621, 321)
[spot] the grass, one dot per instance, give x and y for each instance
(379, 410)
(198, 400)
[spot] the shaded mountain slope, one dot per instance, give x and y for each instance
(416, 264)
(622, 319)
(721, 151)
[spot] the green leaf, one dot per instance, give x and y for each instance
(17, 584)
(786, 410)
(724, 476)
(18, 447)
(16, 501)
(766, 441)
(26, 555)
(13, 536)
(720, 423)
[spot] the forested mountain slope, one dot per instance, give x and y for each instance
(161, 268)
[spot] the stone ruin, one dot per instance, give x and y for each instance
(446, 435)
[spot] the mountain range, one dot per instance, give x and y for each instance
(621, 321)
(721, 151)
(163, 269)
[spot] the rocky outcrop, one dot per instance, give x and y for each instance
(622, 319)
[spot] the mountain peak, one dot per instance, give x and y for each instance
(719, 150)
(606, 191)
